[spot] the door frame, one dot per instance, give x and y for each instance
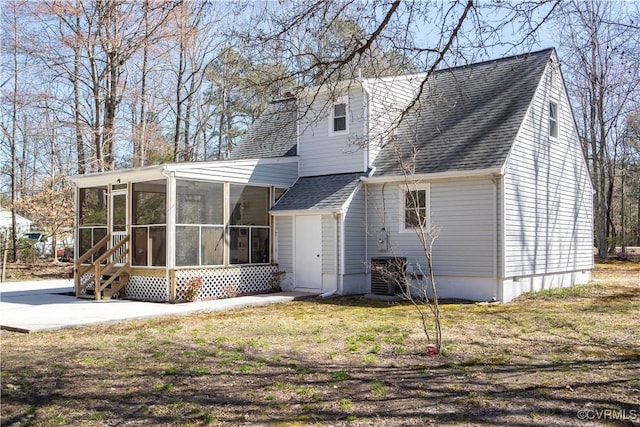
(299, 261)
(117, 236)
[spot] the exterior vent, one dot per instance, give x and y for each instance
(386, 274)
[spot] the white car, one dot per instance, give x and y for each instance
(43, 245)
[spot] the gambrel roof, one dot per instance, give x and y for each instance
(467, 118)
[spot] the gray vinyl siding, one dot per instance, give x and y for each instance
(548, 199)
(324, 154)
(284, 242)
(464, 211)
(330, 247)
(355, 235)
(280, 174)
(388, 98)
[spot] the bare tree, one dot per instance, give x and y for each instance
(10, 130)
(417, 37)
(415, 285)
(628, 196)
(604, 78)
(75, 81)
(96, 47)
(194, 24)
(90, 45)
(49, 207)
(107, 53)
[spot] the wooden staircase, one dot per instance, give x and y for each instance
(112, 285)
(110, 270)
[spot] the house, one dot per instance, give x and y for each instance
(326, 185)
(23, 224)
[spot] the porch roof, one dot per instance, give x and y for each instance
(318, 193)
(280, 172)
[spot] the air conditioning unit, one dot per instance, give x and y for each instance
(387, 274)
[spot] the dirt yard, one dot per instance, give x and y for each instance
(38, 270)
(567, 357)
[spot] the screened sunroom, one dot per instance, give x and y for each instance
(156, 233)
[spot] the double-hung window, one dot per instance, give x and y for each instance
(553, 119)
(415, 207)
(339, 121)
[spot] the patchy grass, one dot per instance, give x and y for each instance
(571, 292)
(544, 359)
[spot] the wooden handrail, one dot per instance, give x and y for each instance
(109, 263)
(123, 268)
(94, 249)
(105, 256)
(99, 269)
(80, 269)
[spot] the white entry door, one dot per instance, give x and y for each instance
(308, 253)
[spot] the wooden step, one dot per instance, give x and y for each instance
(108, 293)
(114, 287)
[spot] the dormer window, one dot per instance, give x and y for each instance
(338, 122)
(553, 119)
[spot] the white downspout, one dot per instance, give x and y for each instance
(337, 216)
(329, 294)
(340, 252)
(365, 187)
(502, 228)
(497, 214)
(366, 125)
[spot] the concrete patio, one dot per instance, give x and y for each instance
(49, 305)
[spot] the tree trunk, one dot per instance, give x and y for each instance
(623, 237)
(140, 143)
(179, 100)
(638, 217)
(110, 109)
(221, 131)
(14, 125)
(81, 157)
(96, 134)
(189, 154)
(611, 229)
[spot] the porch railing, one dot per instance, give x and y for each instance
(110, 269)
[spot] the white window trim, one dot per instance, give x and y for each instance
(342, 100)
(557, 104)
(414, 187)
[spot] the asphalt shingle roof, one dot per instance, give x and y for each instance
(273, 134)
(327, 192)
(467, 117)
